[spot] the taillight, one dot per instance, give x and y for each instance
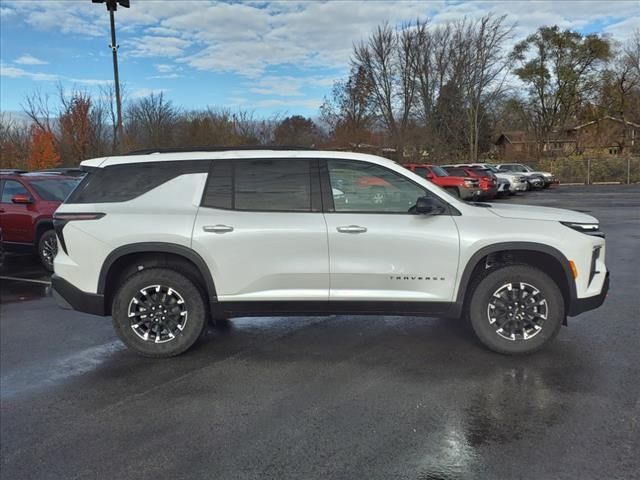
(68, 217)
(61, 219)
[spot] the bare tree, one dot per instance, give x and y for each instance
(349, 110)
(37, 108)
(388, 58)
(150, 122)
(486, 68)
(14, 142)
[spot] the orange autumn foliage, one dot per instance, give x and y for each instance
(42, 150)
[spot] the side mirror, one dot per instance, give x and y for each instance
(428, 206)
(21, 198)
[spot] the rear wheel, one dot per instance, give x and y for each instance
(47, 249)
(516, 309)
(378, 195)
(159, 312)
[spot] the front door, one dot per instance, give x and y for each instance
(379, 250)
(16, 219)
(261, 230)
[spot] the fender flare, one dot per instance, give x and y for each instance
(506, 246)
(158, 247)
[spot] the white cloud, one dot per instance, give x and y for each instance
(311, 104)
(164, 76)
(145, 92)
(16, 72)
(156, 46)
(29, 60)
(286, 86)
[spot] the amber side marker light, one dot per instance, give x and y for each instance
(574, 269)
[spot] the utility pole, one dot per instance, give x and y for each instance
(112, 6)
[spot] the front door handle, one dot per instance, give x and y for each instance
(352, 229)
(217, 228)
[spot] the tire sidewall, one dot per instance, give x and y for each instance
(516, 273)
(196, 319)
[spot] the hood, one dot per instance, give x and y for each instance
(531, 212)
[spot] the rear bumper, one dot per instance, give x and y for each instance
(581, 305)
(70, 297)
(469, 193)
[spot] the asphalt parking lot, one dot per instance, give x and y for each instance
(328, 397)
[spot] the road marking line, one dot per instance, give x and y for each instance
(18, 279)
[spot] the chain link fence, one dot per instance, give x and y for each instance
(589, 170)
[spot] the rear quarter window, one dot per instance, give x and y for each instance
(119, 183)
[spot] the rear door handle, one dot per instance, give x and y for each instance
(217, 228)
(352, 229)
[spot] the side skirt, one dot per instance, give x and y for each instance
(293, 308)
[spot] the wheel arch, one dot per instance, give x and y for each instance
(127, 259)
(552, 261)
(41, 226)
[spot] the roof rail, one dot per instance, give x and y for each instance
(12, 171)
(148, 151)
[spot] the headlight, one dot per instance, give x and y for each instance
(586, 228)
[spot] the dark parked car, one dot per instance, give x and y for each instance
(27, 203)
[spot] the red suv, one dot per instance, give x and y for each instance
(488, 181)
(464, 187)
(27, 203)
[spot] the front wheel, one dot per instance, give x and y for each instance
(516, 309)
(159, 312)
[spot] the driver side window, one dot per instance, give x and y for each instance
(11, 188)
(369, 188)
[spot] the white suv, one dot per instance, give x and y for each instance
(165, 241)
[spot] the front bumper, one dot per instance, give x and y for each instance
(581, 305)
(70, 297)
(519, 186)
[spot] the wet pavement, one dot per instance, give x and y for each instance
(329, 397)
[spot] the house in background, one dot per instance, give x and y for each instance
(607, 135)
(515, 145)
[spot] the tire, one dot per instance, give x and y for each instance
(453, 191)
(176, 331)
(378, 195)
(480, 310)
(47, 249)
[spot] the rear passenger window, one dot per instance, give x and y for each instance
(260, 185)
(276, 185)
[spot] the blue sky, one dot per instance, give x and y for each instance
(267, 57)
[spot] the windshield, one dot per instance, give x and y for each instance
(54, 190)
(439, 171)
(492, 168)
(515, 168)
(527, 168)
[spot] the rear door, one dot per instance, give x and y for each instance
(261, 230)
(379, 250)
